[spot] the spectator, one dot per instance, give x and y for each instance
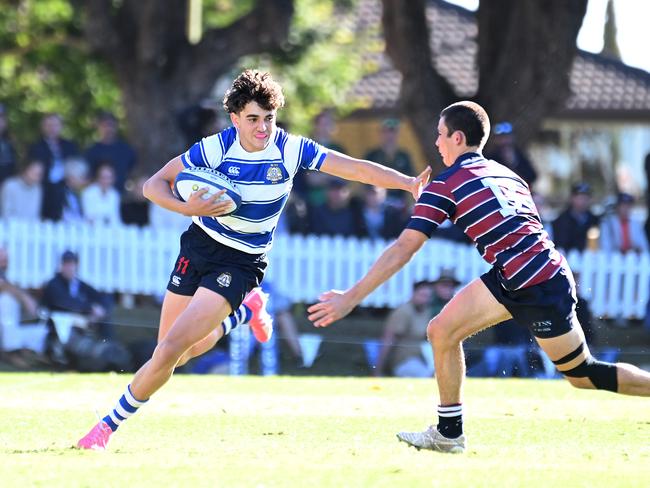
(572, 225)
(67, 293)
(311, 186)
(22, 195)
(52, 150)
(508, 356)
(504, 150)
(404, 331)
(100, 200)
(19, 341)
(390, 154)
(339, 215)
(7, 151)
(619, 232)
(68, 207)
(134, 207)
(199, 121)
(112, 150)
(647, 196)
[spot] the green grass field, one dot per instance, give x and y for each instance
(287, 431)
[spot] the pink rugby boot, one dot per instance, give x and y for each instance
(261, 323)
(97, 438)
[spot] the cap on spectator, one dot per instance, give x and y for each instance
(105, 115)
(580, 189)
(624, 198)
(390, 124)
(69, 256)
(503, 128)
(446, 276)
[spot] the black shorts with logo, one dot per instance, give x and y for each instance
(202, 261)
(548, 309)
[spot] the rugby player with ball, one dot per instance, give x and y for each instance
(214, 286)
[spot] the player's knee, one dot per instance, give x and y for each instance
(593, 374)
(438, 333)
(168, 352)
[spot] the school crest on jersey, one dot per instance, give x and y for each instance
(224, 279)
(274, 173)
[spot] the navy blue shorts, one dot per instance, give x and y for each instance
(547, 309)
(205, 262)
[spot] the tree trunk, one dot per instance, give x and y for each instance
(424, 93)
(160, 73)
(526, 51)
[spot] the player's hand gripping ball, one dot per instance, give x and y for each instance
(193, 179)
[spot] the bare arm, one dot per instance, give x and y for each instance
(336, 305)
(158, 189)
(350, 168)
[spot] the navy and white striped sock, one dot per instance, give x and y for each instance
(450, 420)
(240, 316)
(125, 407)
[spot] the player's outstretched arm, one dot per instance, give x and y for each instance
(335, 305)
(158, 190)
(350, 168)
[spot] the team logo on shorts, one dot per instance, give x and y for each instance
(176, 280)
(274, 174)
(224, 280)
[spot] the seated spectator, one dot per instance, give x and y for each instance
(390, 154)
(134, 207)
(503, 149)
(405, 329)
(100, 200)
(22, 195)
(20, 341)
(112, 150)
(509, 354)
(571, 227)
(67, 293)
(295, 217)
(339, 215)
(7, 151)
(53, 150)
(620, 232)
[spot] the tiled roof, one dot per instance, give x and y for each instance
(600, 85)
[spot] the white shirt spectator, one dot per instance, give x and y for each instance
(21, 196)
(101, 206)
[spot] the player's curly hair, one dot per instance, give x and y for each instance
(469, 118)
(253, 86)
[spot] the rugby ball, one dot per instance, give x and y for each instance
(193, 179)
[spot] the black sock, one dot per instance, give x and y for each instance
(450, 420)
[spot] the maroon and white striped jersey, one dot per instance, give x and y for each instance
(495, 209)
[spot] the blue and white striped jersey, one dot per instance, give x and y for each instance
(264, 179)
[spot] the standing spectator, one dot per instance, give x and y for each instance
(18, 341)
(339, 215)
(52, 150)
(390, 154)
(7, 151)
(112, 150)
(647, 196)
(67, 293)
(619, 232)
(100, 200)
(134, 207)
(311, 186)
(22, 195)
(571, 227)
(68, 207)
(504, 150)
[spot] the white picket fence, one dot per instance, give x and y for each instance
(134, 260)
